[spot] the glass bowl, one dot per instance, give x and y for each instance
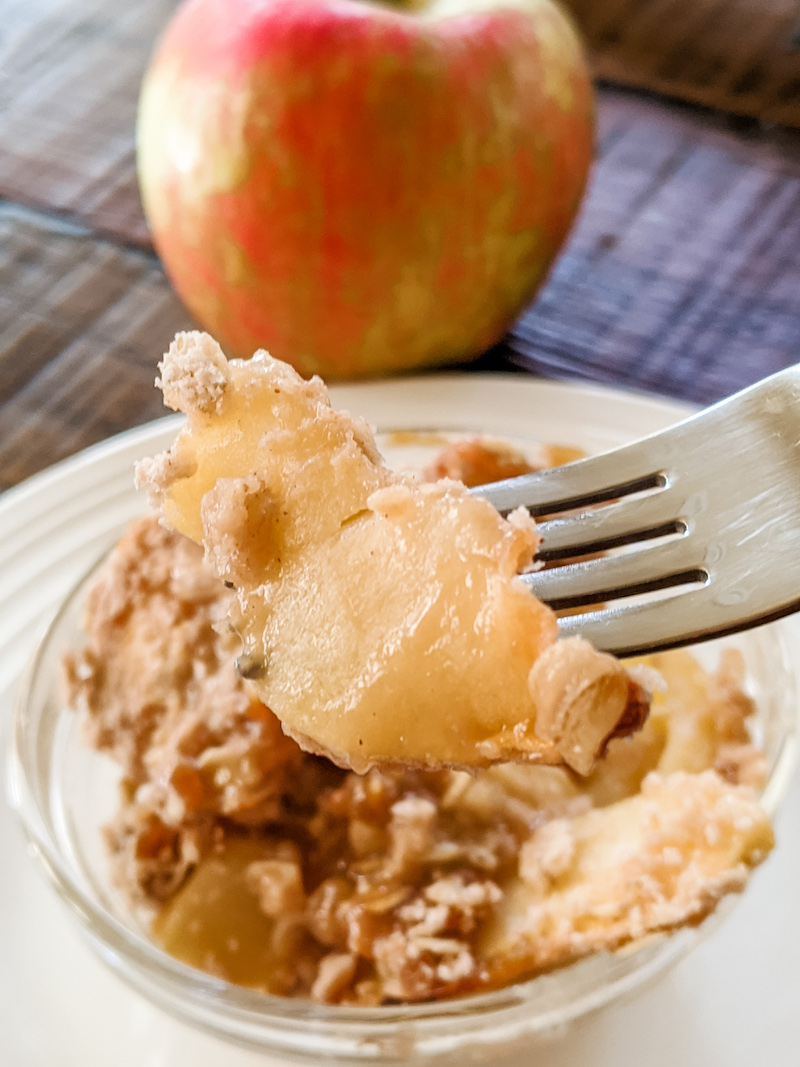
(64, 792)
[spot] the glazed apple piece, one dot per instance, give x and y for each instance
(480, 460)
(477, 461)
(381, 618)
(215, 921)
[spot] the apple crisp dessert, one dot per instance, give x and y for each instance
(381, 617)
(274, 868)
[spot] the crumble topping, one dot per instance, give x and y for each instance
(480, 460)
(196, 374)
(158, 690)
(477, 461)
(240, 516)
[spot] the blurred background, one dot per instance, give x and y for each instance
(682, 276)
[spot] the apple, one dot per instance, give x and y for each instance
(360, 187)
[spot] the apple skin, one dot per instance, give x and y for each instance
(362, 188)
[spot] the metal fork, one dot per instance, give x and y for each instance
(709, 511)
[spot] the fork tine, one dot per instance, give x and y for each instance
(607, 527)
(645, 570)
(635, 629)
(671, 621)
(574, 485)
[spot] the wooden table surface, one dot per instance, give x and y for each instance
(682, 275)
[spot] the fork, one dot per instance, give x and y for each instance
(708, 513)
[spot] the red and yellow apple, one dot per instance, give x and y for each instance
(362, 187)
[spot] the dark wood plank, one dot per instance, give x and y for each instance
(82, 324)
(683, 274)
(69, 81)
(737, 55)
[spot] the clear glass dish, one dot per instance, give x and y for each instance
(64, 792)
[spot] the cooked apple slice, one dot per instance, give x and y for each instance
(381, 618)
